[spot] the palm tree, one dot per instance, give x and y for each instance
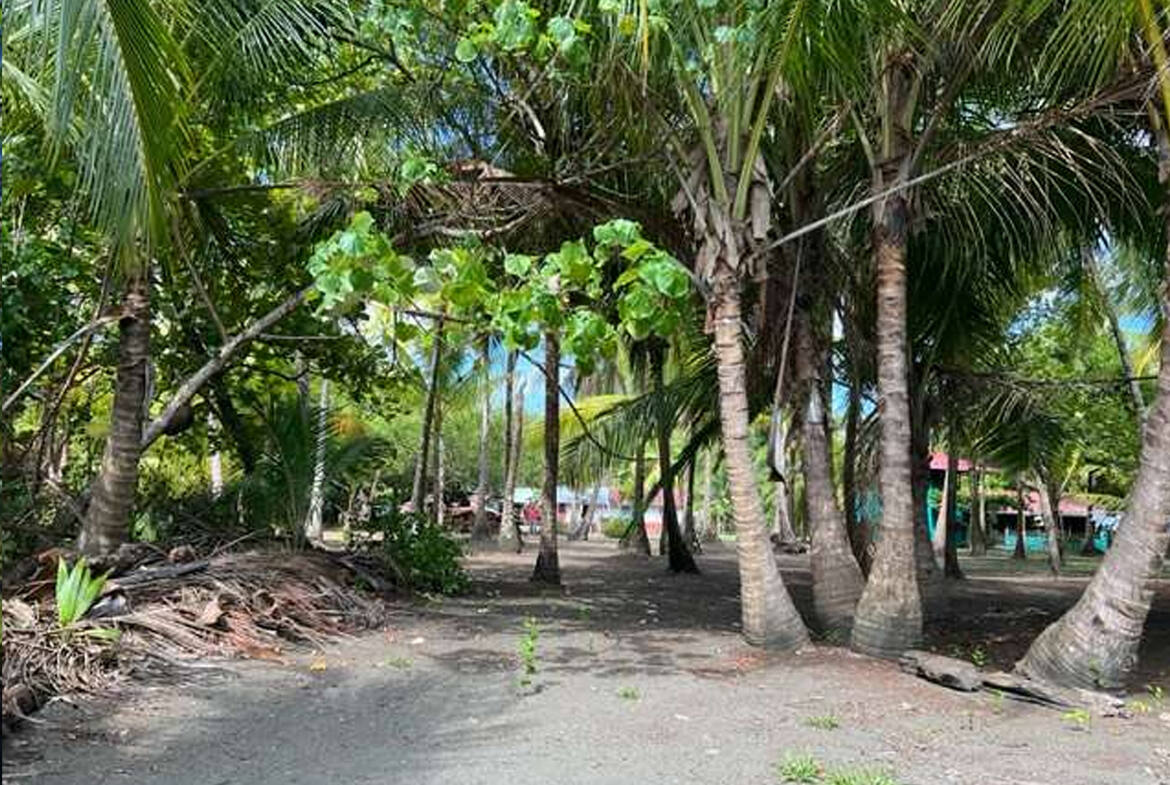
(479, 531)
(547, 568)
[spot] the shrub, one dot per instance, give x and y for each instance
(421, 554)
(76, 591)
(614, 528)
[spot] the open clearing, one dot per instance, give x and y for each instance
(641, 677)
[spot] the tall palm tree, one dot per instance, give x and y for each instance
(547, 568)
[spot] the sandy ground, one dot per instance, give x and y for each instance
(641, 678)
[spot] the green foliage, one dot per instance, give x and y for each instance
(629, 693)
(1079, 719)
(614, 528)
(799, 769)
(824, 722)
(76, 591)
(419, 552)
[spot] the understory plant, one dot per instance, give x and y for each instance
(76, 591)
(420, 554)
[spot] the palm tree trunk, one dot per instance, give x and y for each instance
(710, 528)
(418, 489)
(857, 528)
(1048, 506)
(689, 533)
(1138, 403)
(314, 520)
(107, 520)
(889, 615)
(837, 580)
(547, 568)
(938, 542)
(769, 616)
(1095, 644)
(1021, 550)
(440, 489)
(951, 568)
(978, 513)
(637, 537)
(479, 530)
(513, 417)
(214, 458)
(680, 556)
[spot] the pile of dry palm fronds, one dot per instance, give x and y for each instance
(155, 616)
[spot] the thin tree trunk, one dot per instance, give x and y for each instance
(689, 533)
(107, 520)
(929, 570)
(769, 616)
(1048, 507)
(314, 531)
(232, 423)
(418, 489)
(680, 556)
(951, 568)
(547, 568)
(978, 513)
(857, 528)
(889, 615)
(938, 542)
(1136, 399)
(637, 537)
(479, 530)
(837, 580)
(214, 459)
(440, 491)
(782, 528)
(710, 527)
(1021, 550)
(513, 418)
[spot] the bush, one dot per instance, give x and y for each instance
(614, 528)
(422, 555)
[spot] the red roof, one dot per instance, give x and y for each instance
(938, 462)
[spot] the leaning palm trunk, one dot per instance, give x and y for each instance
(978, 513)
(769, 616)
(547, 568)
(418, 489)
(710, 527)
(1096, 643)
(951, 567)
(679, 553)
(107, 519)
(1021, 550)
(837, 580)
(689, 533)
(854, 524)
(1049, 504)
(889, 614)
(479, 530)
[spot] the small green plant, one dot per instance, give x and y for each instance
(826, 722)
(76, 591)
(418, 552)
(583, 612)
(628, 693)
(614, 528)
(858, 777)
(799, 769)
(527, 652)
(401, 663)
(1077, 718)
(1157, 694)
(978, 656)
(997, 700)
(1139, 706)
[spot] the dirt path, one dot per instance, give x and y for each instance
(642, 679)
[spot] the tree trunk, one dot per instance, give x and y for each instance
(858, 529)
(889, 615)
(214, 459)
(1049, 504)
(1095, 644)
(314, 520)
(951, 568)
(418, 489)
(938, 542)
(1021, 550)
(689, 533)
(479, 530)
(927, 568)
(1136, 400)
(232, 423)
(782, 526)
(440, 491)
(107, 520)
(978, 513)
(510, 535)
(637, 537)
(680, 556)
(710, 527)
(837, 580)
(769, 616)
(547, 568)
